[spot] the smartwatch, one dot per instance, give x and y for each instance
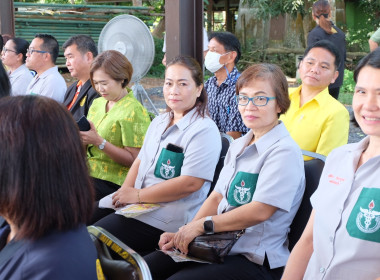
(101, 146)
(208, 225)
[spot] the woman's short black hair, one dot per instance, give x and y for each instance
(44, 179)
(21, 46)
(5, 85)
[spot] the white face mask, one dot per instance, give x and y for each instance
(212, 61)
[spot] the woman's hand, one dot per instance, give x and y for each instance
(125, 195)
(187, 233)
(91, 136)
(166, 241)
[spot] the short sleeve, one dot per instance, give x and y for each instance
(134, 126)
(202, 152)
(280, 178)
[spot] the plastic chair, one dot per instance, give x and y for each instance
(313, 171)
(130, 265)
(226, 141)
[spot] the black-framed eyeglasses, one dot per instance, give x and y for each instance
(31, 51)
(5, 50)
(243, 100)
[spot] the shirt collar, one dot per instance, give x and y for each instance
(229, 81)
(186, 120)
(48, 72)
(268, 139)
(321, 98)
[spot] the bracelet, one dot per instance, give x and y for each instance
(138, 196)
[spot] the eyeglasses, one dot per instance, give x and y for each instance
(5, 50)
(257, 100)
(31, 51)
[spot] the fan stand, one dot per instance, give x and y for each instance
(142, 95)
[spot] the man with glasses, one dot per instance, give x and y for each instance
(221, 58)
(316, 120)
(41, 57)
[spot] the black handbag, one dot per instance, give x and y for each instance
(214, 247)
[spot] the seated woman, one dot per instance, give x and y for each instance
(46, 195)
(342, 237)
(179, 181)
(118, 123)
(268, 165)
(14, 56)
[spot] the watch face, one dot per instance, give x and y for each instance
(209, 226)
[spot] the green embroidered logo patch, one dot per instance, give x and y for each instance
(242, 188)
(364, 220)
(169, 164)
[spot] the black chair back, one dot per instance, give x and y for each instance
(313, 171)
(226, 141)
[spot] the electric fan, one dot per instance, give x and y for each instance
(130, 36)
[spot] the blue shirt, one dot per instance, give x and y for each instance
(222, 105)
(58, 255)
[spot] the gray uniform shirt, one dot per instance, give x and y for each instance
(20, 79)
(50, 84)
(201, 142)
(281, 183)
(346, 236)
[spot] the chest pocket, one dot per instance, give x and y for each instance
(364, 220)
(242, 188)
(169, 164)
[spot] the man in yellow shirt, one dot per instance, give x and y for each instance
(316, 121)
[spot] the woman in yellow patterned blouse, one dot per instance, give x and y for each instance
(118, 123)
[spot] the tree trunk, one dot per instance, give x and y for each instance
(137, 3)
(158, 32)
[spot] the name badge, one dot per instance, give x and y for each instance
(242, 188)
(364, 220)
(169, 164)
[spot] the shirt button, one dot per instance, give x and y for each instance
(321, 270)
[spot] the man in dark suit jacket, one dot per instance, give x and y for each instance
(80, 51)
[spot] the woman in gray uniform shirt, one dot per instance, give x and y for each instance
(259, 189)
(175, 165)
(342, 237)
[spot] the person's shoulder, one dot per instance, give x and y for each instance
(63, 254)
(334, 106)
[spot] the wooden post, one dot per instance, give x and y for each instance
(7, 24)
(184, 29)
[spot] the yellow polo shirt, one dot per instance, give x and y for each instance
(320, 125)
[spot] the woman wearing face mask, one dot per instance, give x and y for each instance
(118, 123)
(221, 58)
(342, 237)
(14, 56)
(326, 30)
(191, 165)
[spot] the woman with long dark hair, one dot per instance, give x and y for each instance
(326, 30)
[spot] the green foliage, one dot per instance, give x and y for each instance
(267, 8)
(158, 69)
(348, 82)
